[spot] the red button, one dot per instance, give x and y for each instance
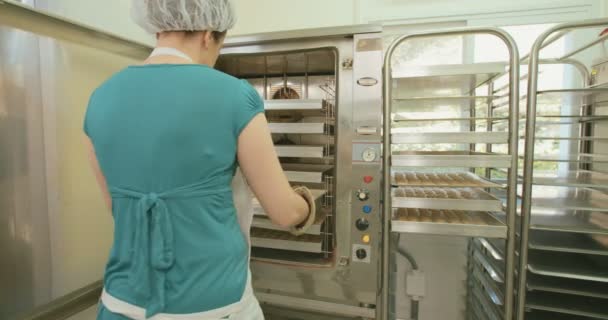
(368, 179)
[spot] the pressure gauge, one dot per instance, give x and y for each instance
(369, 155)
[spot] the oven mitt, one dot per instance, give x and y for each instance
(303, 227)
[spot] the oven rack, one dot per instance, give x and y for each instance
(307, 173)
(273, 239)
(261, 222)
(317, 194)
(297, 105)
(320, 128)
(304, 151)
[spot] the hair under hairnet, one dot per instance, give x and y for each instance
(183, 15)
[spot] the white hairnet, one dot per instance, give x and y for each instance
(183, 15)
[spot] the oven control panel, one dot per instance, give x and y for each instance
(366, 178)
(366, 220)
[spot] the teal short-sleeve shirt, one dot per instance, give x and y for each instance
(166, 137)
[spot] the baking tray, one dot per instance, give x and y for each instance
(488, 309)
(459, 179)
(462, 159)
(300, 151)
(477, 313)
(549, 96)
(580, 221)
(285, 241)
(569, 198)
(594, 139)
(493, 271)
(294, 104)
(261, 222)
(492, 248)
(447, 222)
(548, 315)
(580, 178)
(447, 137)
(566, 242)
(442, 80)
(306, 173)
(567, 304)
(317, 194)
(577, 117)
(566, 265)
(567, 286)
(490, 287)
(574, 158)
(297, 128)
(466, 199)
(397, 118)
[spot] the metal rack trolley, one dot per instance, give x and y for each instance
(562, 272)
(469, 202)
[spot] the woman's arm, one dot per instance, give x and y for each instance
(260, 165)
(101, 180)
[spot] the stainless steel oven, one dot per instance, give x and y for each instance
(325, 116)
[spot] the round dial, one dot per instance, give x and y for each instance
(369, 155)
(362, 224)
(361, 254)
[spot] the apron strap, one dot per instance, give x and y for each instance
(168, 51)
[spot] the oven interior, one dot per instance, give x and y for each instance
(299, 91)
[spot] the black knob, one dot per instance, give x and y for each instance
(362, 224)
(361, 254)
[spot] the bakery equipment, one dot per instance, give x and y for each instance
(441, 179)
(323, 95)
(562, 274)
(325, 115)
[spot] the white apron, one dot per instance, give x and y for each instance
(248, 307)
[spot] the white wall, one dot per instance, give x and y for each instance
(410, 11)
(108, 15)
(275, 15)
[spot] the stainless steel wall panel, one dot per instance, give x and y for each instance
(24, 235)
